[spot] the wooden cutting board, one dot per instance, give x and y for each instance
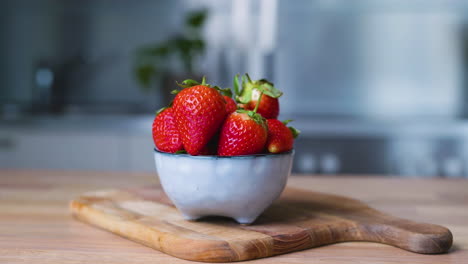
(298, 220)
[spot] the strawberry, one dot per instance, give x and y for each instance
(212, 147)
(243, 133)
(230, 104)
(166, 137)
(251, 92)
(199, 112)
(280, 137)
(269, 106)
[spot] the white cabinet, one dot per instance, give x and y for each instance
(67, 150)
(63, 151)
(140, 153)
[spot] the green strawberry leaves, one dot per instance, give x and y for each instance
(189, 83)
(258, 118)
(269, 89)
(286, 122)
(244, 95)
(224, 91)
(161, 110)
(294, 130)
(236, 85)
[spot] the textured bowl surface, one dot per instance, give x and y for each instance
(240, 187)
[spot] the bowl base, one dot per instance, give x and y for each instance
(240, 220)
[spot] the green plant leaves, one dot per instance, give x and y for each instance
(197, 18)
(144, 74)
(152, 61)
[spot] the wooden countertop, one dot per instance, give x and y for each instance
(36, 227)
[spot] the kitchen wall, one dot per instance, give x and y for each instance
(91, 43)
(376, 87)
(393, 59)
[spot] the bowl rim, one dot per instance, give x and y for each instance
(226, 157)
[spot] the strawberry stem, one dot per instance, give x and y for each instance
(258, 102)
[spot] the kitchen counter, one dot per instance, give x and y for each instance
(36, 227)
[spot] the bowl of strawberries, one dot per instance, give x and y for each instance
(219, 156)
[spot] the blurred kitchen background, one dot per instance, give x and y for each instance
(376, 87)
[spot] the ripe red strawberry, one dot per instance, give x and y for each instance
(243, 133)
(269, 106)
(230, 104)
(250, 93)
(166, 137)
(199, 112)
(280, 137)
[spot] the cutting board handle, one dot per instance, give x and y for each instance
(409, 235)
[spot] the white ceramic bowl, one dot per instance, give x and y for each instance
(240, 187)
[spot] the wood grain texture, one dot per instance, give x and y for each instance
(36, 227)
(297, 221)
